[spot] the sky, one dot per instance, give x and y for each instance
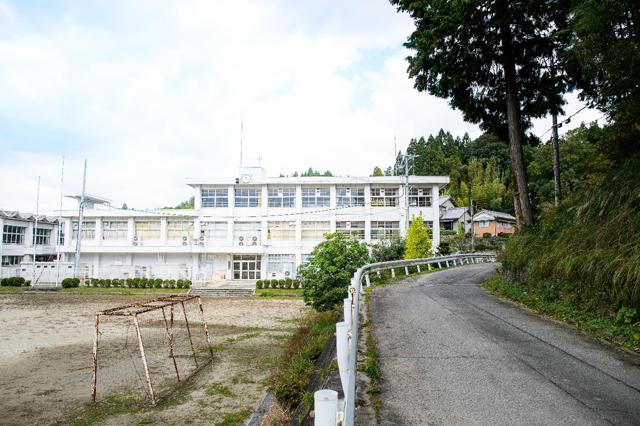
(153, 92)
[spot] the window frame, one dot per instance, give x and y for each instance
(87, 233)
(13, 234)
(248, 197)
(389, 229)
(384, 197)
(281, 230)
(351, 229)
(148, 232)
(350, 197)
(281, 197)
(214, 197)
(316, 197)
(310, 230)
(113, 230)
(42, 236)
(421, 197)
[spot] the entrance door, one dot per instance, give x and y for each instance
(246, 267)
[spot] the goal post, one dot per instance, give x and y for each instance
(151, 322)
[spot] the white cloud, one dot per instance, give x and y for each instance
(153, 92)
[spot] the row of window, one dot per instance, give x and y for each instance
(14, 234)
(313, 197)
(502, 225)
(277, 230)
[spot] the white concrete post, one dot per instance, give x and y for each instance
(366, 277)
(347, 312)
(418, 268)
(342, 349)
(429, 265)
(406, 270)
(325, 407)
(393, 273)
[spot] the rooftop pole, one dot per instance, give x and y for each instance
(35, 234)
(59, 226)
(80, 217)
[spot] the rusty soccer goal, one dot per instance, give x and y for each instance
(172, 346)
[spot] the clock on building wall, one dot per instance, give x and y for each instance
(245, 178)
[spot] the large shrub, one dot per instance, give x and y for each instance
(418, 240)
(329, 269)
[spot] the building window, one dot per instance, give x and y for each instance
(42, 237)
(384, 197)
(508, 225)
(247, 197)
(11, 260)
(384, 229)
(88, 230)
(281, 263)
(179, 229)
(13, 234)
(420, 197)
(500, 224)
(353, 230)
(483, 224)
(148, 230)
(214, 230)
(61, 234)
(350, 197)
(246, 267)
(247, 233)
(285, 230)
(114, 230)
(282, 197)
(216, 197)
(316, 197)
(314, 230)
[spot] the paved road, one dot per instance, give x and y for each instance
(452, 355)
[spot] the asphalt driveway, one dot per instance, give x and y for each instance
(452, 355)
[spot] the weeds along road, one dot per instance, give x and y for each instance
(450, 354)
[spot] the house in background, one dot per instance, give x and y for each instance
(451, 216)
(494, 223)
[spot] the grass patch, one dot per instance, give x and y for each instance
(241, 338)
(277, 291)
(622, 329)
(219, 389)
(235, 419)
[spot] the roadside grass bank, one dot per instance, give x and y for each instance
(294, 368)
(620, 330)
(582, 259)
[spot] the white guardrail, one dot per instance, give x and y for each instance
(326, 400)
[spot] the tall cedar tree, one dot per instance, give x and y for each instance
(492, 60)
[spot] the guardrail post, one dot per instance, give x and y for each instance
(418, 268)
(325, 403)
(348, 311)
(454, 262)
(366, 278)
(439, 266)
(342, 349)
(406, 270)
(393, 273)
(429, 265)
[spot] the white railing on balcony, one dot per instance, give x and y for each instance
(347, 331)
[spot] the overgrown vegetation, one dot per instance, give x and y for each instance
(295, 367)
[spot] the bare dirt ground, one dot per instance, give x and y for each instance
(46, 344)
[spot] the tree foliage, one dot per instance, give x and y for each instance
(377, 171)
(330, 267)
(491, 59)
(418, 240)
(388, 249)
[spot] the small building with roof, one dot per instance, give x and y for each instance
(495, 223)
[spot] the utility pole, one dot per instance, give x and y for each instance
(80, 217)
(59, 226)
(473, 231)
(35, 234)
(406, 185)
(556, 159)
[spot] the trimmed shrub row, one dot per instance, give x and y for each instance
(284, 284)
(139, 283)
(70, 282)
(14, 282)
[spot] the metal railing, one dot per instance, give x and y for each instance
(347, 332)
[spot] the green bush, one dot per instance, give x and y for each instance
(27, 283)
(136, 282)
(287, 283)
(158, 283)
(144, 282)
(444, 248)
(179, 283)
(69, 282)
(487, 235)
(296, 284)
(274, 283)
(281, 283)
(187, 283)
(4, 282)
(258, 284)
(129, 282)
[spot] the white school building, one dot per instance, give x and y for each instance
(247, 227)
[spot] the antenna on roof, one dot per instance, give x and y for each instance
(241, 130)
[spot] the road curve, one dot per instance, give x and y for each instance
(450, 354)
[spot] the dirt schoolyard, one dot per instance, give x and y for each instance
(46, 344)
